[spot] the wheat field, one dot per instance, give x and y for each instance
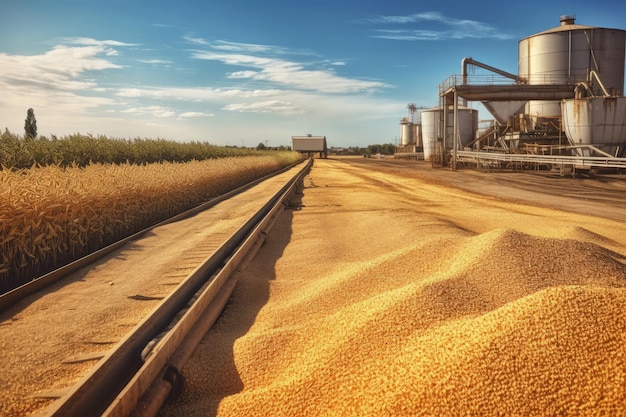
(51, 215)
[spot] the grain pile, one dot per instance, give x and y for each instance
(448, 323)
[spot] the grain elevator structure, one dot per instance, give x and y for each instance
(565, 109)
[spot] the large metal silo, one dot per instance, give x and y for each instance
(566, 55)
(432, 123)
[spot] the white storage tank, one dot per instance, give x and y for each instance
(417, 134)
(597, 121)
(430, 130)
(432, 121)
(566, 54)
(406, 132)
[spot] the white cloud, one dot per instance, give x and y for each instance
(196, 41)
(131, 92)
(95, 42)
(236, 92)
(58, 69)
(264, 66)
(292, 74)
(156, 61)
(156, 111)
(65, 87)
(244, 47)
(412, 35)
(271, 101)
(194, 114)
(452, 28)
(162, 25)
(249, 48)
(193, 94)
(271, 106)
(60, 84)
(242, 74)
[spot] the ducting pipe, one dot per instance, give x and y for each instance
(469, 61)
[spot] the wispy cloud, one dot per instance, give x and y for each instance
(156, 111)
(60, 82)
(79, 83)
(194, 114)
(267, 64)
(163, 25)
(272, 106)
(193, 94)
(156, 61)
(290, 74)
(440, 28)
(95, 42)
(246, 47)
(249, 48)
(58, 69)
(196, 41)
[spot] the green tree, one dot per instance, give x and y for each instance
(388, 149)
(30, 124)
(260, 146)
(385, 149)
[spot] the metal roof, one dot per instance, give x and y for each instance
(566, 28)
(308, 137)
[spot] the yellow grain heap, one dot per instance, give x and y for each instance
(52, 214)
(500, 324)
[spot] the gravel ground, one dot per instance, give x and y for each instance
(397, 290)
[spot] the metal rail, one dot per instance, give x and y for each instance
(8, 299)
(117, 384)
(577, 161)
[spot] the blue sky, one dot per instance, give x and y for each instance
(241, 72)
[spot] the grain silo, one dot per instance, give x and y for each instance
(565, 105)
(432, 125)
(406, 132)
(566, 55)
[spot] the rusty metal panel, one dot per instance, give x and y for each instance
(599, 121)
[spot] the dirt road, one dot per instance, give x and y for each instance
(399, 290)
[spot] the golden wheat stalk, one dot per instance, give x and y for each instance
(51, 215)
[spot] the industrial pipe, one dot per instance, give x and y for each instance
(592, 73)
(578, 92)
(467, 61)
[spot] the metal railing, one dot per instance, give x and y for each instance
(495, 79)
(579, 161)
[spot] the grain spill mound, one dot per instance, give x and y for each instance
(508, 324)
(580, 233)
